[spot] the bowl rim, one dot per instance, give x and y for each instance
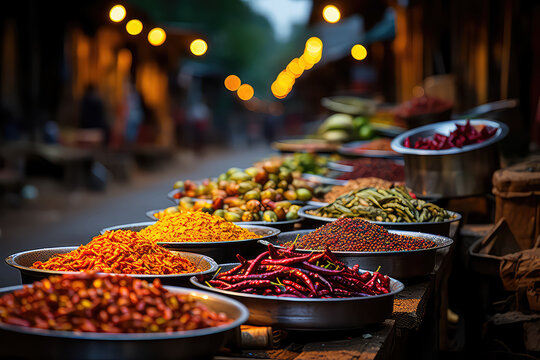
(445, 242)
(242, 318)
(302, 212)
(399, 286)
(397, 142)
(10, 260)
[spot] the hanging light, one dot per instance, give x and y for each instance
(331, 14)
(117, 13)
(198, 47)
(359, 52)
(134, 27)
(157, 36)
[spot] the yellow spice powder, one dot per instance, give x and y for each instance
(195, 226)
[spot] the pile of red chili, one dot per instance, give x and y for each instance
(386, 169)
(104, 303)
(463, 135)
(354, 234)
(120, 252)
(288, 273)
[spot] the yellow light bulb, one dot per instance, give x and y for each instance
(117, 13)
(232, 82)
(278, 89)
(331, 14)
(358, 52)
(245, 92)
(285, 79)
(156, 36)
(198, 47)
(306, 62)
(294, 68)
(314, 46)
(134, 27)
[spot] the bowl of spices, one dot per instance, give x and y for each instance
(116, 252)
(400, 254)
(395, 208)
(287, 289)
(93, 316)
(452, 158)
(203, 233)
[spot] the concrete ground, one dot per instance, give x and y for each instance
(58, 217)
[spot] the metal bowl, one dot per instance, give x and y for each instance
(220, 251)
(311, 314)
(398, 264)
(443, 228)
(24, 260)
(20, 342)
(452, 172)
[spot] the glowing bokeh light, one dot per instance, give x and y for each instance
(285, 79)
(117, 13)
(294, 68)
(232, 82)
(358, 52)
(314, 46)
(245, 92)
(156, 36)
(134, 27)
(198, 47)
(331, 14)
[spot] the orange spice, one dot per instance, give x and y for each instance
(120, 252)
(196, 226)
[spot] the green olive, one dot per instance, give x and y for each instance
(232, 171)
(252, 171)
(252, 195)
(245, 186)
(283, 184)
(303, 194)
(291, 215)
(219, 212)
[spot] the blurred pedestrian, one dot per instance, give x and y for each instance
(92, 112)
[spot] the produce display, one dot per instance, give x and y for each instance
(107, 304)
(288, 273)
(304, 163)
(388, 205)
(356, 184)
(195, 226)
(120, 252)
(354, 234)
(253, 194)
(386, 169)
(344, 127)
(462, 136)
(380, 144)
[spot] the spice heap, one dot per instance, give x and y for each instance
(287, 273)
(463, 135)
(386, 169)
(103, 303)
(196, 226)
(356, 184)
(120, 252)
(353, 234)
(392, 205)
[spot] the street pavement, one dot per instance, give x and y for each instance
(61, 218)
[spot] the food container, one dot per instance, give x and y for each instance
(449, 173)
(24, 260)
(220, 251)
(397, 264)
(18, 342)
(444, 228)
(310, 313)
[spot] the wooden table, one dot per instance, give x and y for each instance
(415, 329)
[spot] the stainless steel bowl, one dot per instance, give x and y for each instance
(23, 261)
(220, 251)
(452, 172)
(311, 314)
(397, 264)
(444, 228)
(20, 342)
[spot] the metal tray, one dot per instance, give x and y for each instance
(20, 342)
(443, 228)
(24, 260)
(311, 314)
(220, 251)
(397, 264)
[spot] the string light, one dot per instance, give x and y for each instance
(232, 82)
(358, 52)
(331, 14)
(198, 47)
(134, 27)
(245, 92)
(117, 13)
